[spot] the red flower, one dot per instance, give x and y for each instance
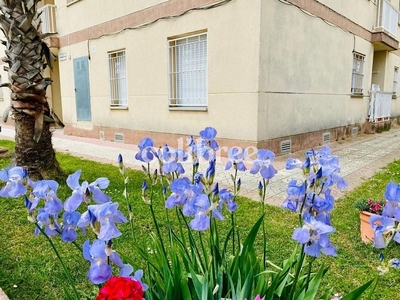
(121, 288)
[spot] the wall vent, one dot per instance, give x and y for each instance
(119, 137)
(326, 137)
(286, 146)
(354, 131)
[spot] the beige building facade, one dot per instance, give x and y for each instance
(285, 75)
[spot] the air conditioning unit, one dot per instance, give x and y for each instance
(47, 15)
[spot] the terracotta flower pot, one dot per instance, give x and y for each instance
(367, 233)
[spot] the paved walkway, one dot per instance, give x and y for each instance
(360, 157)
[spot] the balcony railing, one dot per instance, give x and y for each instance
(387, 18)
(379, 105)
(48, 19)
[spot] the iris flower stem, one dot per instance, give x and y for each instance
(310, 263)
(159, 234)
(203, 248)
(233, 232)
(66, 272)
(213, 230)
(130, 212)
(298, 270)
(193, 243)
(264, 193)
(154, 217)
(232, 217)
(302, 205)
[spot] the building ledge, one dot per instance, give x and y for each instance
(384, 41)
(52, 42)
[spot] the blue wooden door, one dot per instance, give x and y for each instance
(82, 89)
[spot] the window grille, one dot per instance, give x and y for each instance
(357, 82)
(395, 80)
(118, 83)
(188, 71)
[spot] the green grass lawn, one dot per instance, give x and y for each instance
(29, 269)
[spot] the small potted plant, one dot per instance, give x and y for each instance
(367, 208)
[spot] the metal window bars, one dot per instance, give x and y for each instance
(188, 71)
(357, 82)
(118, 82)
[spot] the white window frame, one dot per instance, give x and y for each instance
(395, 81)
(188, 81)
(357, 78)
(117, 69)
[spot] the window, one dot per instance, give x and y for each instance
(357, 81)
(395, 81)
(118, 85)
(188, 71)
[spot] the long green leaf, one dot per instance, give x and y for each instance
(356, 294)
(197, 284)
(314, 283)
(246, 289)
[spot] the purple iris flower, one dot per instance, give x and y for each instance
(208, 134)
(145, 143)
(236, 159)
(263, 164)
(324, 203)
(198, 208)
(31, 204)
(100, 271)
(14, 177)
(207, 146)
(295, 195)
(106, 214)
(146, 150)
(46, 189)
(138, 277)
(383, 229)
(392, 196)
(80, 192)
(98, 254)
(70, 222)
(173, 160)
(293, 163)
(392, 192)
(314, 234)
(182, 192)
(178, 196)
(127, 270)
(226, 197)
(49, 222)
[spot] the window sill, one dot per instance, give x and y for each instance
(72, 2)
(188, 108)
(119, 108)
(357, 95)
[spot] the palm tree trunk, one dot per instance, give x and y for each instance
(27, 56)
